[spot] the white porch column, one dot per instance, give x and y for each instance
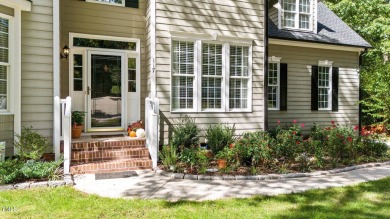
(153, 87)
(56, 77)
(17, 73)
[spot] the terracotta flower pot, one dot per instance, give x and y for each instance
(221, 163)
(76, 131)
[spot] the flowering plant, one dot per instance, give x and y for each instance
(135, 126)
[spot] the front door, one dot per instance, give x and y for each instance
(106, 99)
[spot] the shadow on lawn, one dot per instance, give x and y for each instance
(367, 200)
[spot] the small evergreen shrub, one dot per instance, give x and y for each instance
(220, 136)
(185, 133)
(30, 144)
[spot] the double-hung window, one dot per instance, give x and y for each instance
(296, 14)
(324, 87)
(208, 76)
(273, 85)
(183, 75)
(4, 64)
(212, 76)
(239, 77)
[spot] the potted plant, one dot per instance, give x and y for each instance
(223, 157)
(77, 123)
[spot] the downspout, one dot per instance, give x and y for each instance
(266, 65)
(360, 89)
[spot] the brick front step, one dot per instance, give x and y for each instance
(106, 145)
(105, 154)
(112, 166)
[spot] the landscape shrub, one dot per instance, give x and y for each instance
(169, 156)
(372, 145)
(18, 170)
(185, 133)
(30, 144)
(288, 144)
(254, 148)
(220, 136)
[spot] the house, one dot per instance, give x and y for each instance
(217, 61)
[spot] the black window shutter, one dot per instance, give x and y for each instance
(132, 3)
(283, 86)
(335, 89)
(314, 87)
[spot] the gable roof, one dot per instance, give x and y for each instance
(331, 30)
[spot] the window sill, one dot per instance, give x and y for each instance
(6, 113)
(273, 109)
(106, 3)
(297, 29)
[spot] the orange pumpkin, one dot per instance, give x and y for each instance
(132, 134)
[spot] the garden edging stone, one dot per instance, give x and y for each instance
(43, 184)
(268, 176)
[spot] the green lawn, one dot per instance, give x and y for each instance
(367, 200)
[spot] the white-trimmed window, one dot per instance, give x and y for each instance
(210, 76)
(4, 64)
(109, 2)
(296, 14)
(183, 74)
(274, 83)
(239, 77)
(324, 85)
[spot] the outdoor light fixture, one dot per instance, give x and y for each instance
(65, 50)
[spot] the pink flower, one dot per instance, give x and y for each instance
(349, 139)
(294, 121)
(302, 125)
(294, 133)
(356, 128)
(278, 122)
(332, 122)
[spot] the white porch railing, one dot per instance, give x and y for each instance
(151, 127)
(62, 129)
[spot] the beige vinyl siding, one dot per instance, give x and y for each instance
(299, 61)
(99, 19)
(7, 133)
(37, 67)
(243, 19)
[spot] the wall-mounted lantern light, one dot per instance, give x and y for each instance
(65, 51)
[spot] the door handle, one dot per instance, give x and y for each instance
(88, 90)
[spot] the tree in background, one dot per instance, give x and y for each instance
(371, 19)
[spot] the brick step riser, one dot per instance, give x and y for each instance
(109, 170)
(111, 167)
(97, 159)
(110, 144)
(105, 148)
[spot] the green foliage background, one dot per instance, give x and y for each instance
(371, 19)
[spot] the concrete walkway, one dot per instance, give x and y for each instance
(148, 185)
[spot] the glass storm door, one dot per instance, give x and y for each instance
(105, 93)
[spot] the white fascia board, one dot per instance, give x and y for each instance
(22, 5)
(315, 45)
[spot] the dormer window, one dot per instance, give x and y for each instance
(296, 14)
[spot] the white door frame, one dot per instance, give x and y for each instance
(123, 90)
(84, 51)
